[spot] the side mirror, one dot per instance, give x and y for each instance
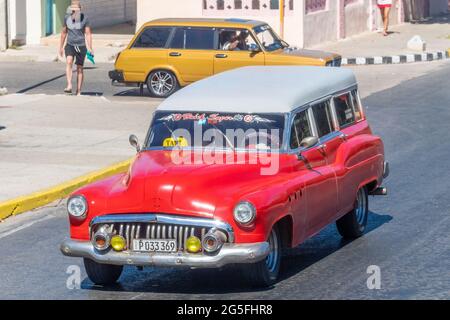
(135, 143)
(308, 142)
(254, 48)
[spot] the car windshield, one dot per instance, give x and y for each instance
(216, 130)
(268, 38)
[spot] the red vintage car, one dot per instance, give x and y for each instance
(233, 169)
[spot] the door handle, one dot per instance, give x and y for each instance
(174, 54)
(343, 136)
(322, 148)
(221, 56)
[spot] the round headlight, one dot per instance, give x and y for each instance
(77, 206)
(244, 213)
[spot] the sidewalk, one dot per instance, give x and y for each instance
(435, 32)
(51, 139)
(108, 42)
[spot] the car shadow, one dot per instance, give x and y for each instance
(230, 279)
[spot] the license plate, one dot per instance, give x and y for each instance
(145, 245)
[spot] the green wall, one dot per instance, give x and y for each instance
(61, 7)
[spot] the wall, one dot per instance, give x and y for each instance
(358, 17)
(321, 25)
(150, 10)
(17, 21)
(109, 12)
(34, 21)
(3, 27)
(439, 6)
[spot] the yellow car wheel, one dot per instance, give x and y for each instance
(162, 83)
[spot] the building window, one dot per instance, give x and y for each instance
(220, 4)
(255, 5)
(315, 5)
(205, 5)
(238, 4)
(291, 4)
(274, 4)
(347, 2)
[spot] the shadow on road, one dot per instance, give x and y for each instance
(231, 279)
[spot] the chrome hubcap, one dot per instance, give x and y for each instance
(272, 258)
(361, 206)
(162, 82)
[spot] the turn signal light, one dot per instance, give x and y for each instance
(193, 244)
(118, 243)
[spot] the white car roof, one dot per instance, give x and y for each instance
(258, 89)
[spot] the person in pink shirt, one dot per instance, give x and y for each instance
(385, 9)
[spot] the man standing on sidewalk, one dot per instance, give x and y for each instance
(78, 33)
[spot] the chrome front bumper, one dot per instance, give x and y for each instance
(229, 254)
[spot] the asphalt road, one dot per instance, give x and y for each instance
(50, 78)
(408, 236)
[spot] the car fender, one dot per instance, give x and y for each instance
(169, 68)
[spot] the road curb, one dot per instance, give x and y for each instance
(41, 198)
(397, 59)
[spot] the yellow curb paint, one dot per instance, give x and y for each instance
(448, 52)
(41, 198)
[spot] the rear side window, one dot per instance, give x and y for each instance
(344, 110)
(300, 129)
(155, 37)
(356, 105)
(193, 38)
(324, 119)
(202, 39)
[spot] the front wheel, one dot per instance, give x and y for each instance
(353, 224)
(102, 274)
(265, 272)
(162, 83)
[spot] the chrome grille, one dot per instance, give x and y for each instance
(134, 231)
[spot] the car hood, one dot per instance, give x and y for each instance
(307, 53)
(155, 183)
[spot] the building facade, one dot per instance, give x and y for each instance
(30, 20)
(305, 23)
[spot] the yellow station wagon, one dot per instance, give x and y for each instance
(168, 53)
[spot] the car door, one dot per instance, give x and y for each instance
(321, 188)
(346, 117)
(191, 52)
(148, 50)
(226, 58)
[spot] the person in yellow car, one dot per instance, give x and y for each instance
(166, 54)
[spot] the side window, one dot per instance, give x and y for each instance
(200, 39)
(300, 129)
(356, 105)
(323, 117)
(155, 37)
(344, 110)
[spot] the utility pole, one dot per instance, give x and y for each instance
(3, 25)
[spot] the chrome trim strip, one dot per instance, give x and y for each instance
(164, 219)
(229, 254)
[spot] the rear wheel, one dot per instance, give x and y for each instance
(162, 83)
(265, 272)
(103, 274)
(353, 224)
